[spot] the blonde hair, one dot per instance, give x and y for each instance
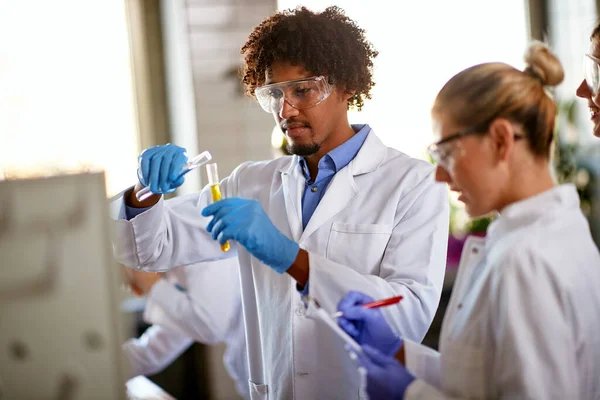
(476, 96)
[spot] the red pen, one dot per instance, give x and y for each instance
(373, 304)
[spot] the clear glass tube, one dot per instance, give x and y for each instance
(212, 172)
(191, 165)
(215, 190)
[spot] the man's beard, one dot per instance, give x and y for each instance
(303, 150)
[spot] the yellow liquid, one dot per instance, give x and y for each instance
(215, 190)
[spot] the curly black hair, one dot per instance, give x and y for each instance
(324, 43)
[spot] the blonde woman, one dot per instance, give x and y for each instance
(523, 318)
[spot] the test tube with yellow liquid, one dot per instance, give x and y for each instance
(215, 190)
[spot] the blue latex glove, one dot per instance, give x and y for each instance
(387, 379)
(367, 325)
(246, 222)
(160, 168)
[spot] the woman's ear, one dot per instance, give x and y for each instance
(502, 135)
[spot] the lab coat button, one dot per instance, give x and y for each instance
(314, 189)
(475, 250)
(299, 311)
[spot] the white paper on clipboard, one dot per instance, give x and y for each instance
(325, 317)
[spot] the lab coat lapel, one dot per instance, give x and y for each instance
(340, 192)
(342, 188)
(293, 182)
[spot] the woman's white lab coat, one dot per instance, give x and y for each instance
(523, 319)
(380, 228)
(204, 312)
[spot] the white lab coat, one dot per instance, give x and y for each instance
(205, 312)
(523, 317)
(155, 350)
(381, 228)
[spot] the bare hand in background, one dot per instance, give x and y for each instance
(141, 282)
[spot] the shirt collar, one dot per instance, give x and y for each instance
(527, 212)
(343, 154)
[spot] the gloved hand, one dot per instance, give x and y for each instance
(160, 168)
(246, 222)
(387, 379)
(367, 325)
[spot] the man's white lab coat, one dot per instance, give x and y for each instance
(523, 319)
(381, 228)
(204, 312)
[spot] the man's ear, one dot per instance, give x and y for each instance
(344, 94)
(502, 135)
(348, 94)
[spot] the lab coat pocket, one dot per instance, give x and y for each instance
(258, 391)
(358, 246)
(463, 371)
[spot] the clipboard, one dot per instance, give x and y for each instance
(332, 323)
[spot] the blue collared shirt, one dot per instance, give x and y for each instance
(328, 166)
(132, 212)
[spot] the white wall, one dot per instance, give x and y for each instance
(421, 45)
(180, 85)
(231, 126)
(66, 98)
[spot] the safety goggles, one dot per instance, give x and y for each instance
(591, 70)
(443, 152)
(300, 94)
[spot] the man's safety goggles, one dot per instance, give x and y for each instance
(591, 70)
(300, 94)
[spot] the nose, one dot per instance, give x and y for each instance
(288, 111)
(583, 90)
(441, 175)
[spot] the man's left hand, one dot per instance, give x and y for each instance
(246, 222)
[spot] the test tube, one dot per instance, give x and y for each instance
(215, 190)
(191, 165)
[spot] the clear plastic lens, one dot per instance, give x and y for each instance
(444, 155)
(300, 94)
(592, 73)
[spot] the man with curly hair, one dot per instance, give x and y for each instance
(344, 212)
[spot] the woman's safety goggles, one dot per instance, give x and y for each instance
(591, 72)
(444, 152)
(300, 94)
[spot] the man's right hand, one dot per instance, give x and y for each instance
(160, 168)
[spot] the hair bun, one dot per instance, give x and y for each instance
(543, 65)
